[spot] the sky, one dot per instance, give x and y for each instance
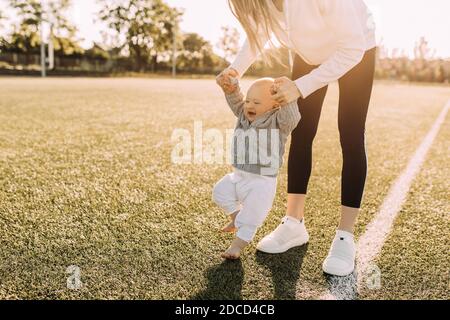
(400, 23)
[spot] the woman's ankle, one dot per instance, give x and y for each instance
(296, 206)
(349, 216)
(296, 218)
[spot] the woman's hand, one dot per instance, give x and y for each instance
(285, 91)
(225, 80)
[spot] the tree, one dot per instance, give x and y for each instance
(229, 42)
(147, 28)
(195, 49)
(2, 17)
(3, 42)
(422, 51)
(197, 55)
(97, 52)
(26, 36)
(63, 31)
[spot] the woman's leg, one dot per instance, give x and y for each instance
(292, 231)
(300, 155)
(355, 91)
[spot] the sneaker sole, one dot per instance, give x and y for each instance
(339, 273)
(289, 245)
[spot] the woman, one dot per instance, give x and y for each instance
(333, 40)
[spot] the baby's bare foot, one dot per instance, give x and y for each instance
(231, 227)
(234, 251)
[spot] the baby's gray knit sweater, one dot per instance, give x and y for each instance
(252, 142)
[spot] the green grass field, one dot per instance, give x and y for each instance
(86, 179)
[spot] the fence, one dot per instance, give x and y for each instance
(401, 68)
(29, 62)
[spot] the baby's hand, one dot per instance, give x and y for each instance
(228, 80)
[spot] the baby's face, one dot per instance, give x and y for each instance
(259, 100)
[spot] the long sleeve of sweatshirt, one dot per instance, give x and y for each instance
(333, 34)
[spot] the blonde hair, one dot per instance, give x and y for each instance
(259, 24)
(263, 81)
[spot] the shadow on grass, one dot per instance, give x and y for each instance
(224, 282)
(285, 268)
(343, 288)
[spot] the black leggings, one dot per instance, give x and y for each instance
(355, 89)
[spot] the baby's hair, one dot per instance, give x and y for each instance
(264, 81)
(267, 81)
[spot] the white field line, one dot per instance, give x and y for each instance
(372, 241)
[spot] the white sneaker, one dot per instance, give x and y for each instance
(341, 258)
(289, 234)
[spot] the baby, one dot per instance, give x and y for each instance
(259, 140)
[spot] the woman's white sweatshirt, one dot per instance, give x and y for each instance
(334, 34)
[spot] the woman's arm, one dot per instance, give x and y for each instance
(246, 56)
(342, 19)
(244, 59)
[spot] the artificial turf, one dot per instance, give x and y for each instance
(86, 179)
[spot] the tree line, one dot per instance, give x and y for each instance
(140, 36)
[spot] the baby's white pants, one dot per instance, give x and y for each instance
(250, 193)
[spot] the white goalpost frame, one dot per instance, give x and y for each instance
(43, 58)
(51, 50)
(47, 58)
(174, 54)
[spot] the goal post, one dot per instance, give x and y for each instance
(43, 58)
(51, 51)
(174, 53)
